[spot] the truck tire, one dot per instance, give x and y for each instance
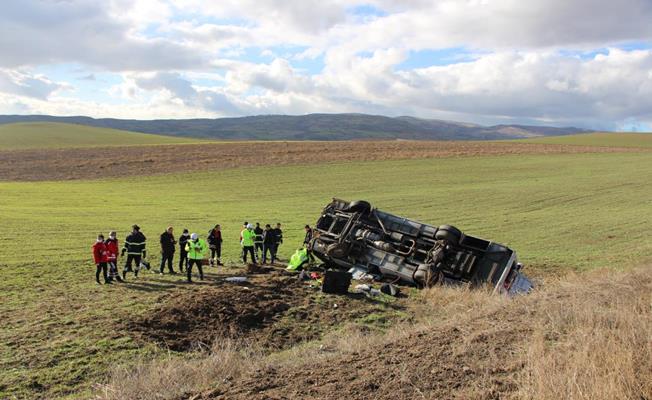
(359, 206)
(449, 233)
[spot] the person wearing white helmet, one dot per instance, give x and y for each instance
(196, 249)
(247, 242)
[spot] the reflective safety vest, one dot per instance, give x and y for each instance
(298, 259)
(196, 250)
(248, 237)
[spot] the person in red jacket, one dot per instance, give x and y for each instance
(112, 256)
(100, 258)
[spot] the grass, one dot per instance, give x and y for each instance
(33, 135)
(597, 139)
(61, 332)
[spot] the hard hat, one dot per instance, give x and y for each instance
(194, 236)
(249, 226)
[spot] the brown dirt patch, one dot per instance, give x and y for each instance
(107, 162)
(272, 310)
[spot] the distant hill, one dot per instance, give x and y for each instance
(27, 135)
(608, 139)
(309, 127)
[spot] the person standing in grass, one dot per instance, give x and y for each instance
(167, 249)
(183, 254)
(278, 233)
(112, 256)
(258, 242)
(100, 258)
(248, 239)
(135, 249)
(269, 244)
(244, 226)
(215, 244)
(196, 249)
(306, 242)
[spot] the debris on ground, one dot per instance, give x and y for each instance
(336, 282)
(236, 279)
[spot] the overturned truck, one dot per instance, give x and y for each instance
(358, 237)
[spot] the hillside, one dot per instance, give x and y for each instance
(30, 135)
(310, 127)
(597, 139)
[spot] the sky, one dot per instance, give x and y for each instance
(584, 63)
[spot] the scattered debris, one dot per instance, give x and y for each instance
(389, 289)
(362, 288)
(336, 282)
(360, 274)
(236, 279)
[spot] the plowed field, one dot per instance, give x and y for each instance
(109, 162)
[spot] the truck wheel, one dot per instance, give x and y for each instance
(449, 233)
(337, 250)
(359, 206)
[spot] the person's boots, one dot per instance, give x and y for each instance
(117, 278)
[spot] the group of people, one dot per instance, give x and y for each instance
(256, 242)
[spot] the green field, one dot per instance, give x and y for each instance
(61, 332)
(32, 135)
(597, 139)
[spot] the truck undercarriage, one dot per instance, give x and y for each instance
(358, 237)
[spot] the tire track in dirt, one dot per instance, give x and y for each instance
(111, 162)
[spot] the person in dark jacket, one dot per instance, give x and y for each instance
(100, 258)
(278, 234)
(306, 242)
(183, 254)
(215, 244)
(135, 248)
(167, 249)
(258, 240)
(269, 244)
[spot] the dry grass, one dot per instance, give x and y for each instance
(176, 377)
(588, 336)
(592, 339)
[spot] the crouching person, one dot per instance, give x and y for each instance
(196, 249)
(100, 258)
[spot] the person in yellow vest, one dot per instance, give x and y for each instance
(248, 240)
(196, 249)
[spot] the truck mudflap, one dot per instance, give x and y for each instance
(520, 285)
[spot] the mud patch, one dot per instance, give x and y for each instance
(272, 310)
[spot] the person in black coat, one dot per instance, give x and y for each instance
(269, 244)
(215, 244)
(135, 248)
(306, 242)
(258, 242)
(183, 254)
(278, 234)
(167, 249)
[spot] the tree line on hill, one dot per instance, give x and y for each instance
(309, 127)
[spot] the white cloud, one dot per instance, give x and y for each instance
(27, 85)
(191, 57)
